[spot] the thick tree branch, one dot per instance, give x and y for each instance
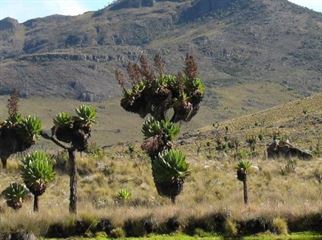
(54, 140)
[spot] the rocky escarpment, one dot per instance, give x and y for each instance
(204, 8)
(67, 57)
(132, 4)
(8, 24)
(121, 4)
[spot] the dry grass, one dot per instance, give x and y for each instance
(212, 186)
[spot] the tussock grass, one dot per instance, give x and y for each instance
(211, 192)
(211, 188)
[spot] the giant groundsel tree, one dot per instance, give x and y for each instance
(155, 93)
(17, 133)
(243, 168)
(72, 134)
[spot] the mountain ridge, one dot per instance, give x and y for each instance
(237, 43)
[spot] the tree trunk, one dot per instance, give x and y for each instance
(36, 206)
(173, 200)
(245, 190)
(73, 181)
(4, 163)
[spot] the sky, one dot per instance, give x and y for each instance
(24, 10)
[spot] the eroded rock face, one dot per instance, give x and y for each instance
(121, 4)
(8, 24)
(132, 4)
(203, 8)
(284, 149)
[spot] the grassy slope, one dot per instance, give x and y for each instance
(211, 187)
(298, 120)
(115, 125)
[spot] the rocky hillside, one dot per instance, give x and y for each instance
(246, 49)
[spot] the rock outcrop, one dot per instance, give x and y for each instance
(203, 8)
(132, 4)
(8, 24)
(284, 149)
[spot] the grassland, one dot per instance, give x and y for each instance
(211, 189)
(115, 125)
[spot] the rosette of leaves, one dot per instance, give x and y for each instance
(195, 88)
(13, 120)
(134, 100)
(162, 89)
(182, 108)
(15, 194)
(158, 135)
(37, 171)
(27, 129)
(152, 127)
(123, 196)
(63, 119)
(169, 171)
(75, 129)
(31, 127)
(63, 127)
(243, 167)
(86, 114)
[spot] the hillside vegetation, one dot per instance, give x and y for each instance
(281, 192)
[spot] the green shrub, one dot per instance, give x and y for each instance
(123, 196)
(37, 167)
(37, 171)
(14, 195)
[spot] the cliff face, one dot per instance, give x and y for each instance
(8, 24)
(237, 42)
(132, 4)
(203, 8)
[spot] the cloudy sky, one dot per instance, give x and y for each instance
(28, 9)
